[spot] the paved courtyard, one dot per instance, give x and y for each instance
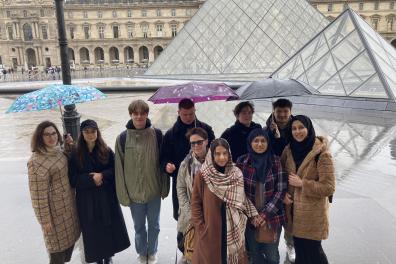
(363, 214)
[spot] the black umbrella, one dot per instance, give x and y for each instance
(270, 87)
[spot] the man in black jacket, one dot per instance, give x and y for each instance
(176, 146)
(237, 134)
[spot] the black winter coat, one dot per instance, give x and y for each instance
(279, 144)
(175, 147)
(102, 223)
(236, 136)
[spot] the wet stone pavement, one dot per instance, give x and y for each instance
(362, 215)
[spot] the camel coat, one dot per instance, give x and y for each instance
(53, 199)
(308, 217)
(207, 219)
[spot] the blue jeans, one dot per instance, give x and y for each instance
(261, 253)
(146, 241)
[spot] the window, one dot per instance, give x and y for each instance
(71, 30)
(375, 23)
(70, 14)
(330, 7)
(101, 31)
(86, 32)
(0, 37)
(160, 30)
(8, 13)
(85, 14)
(361, 6)
(114, 13)
(390, 23)
(144, 12)
(129, 14)
(115, 32)
(25, 14)
(174, 30)
(345, 6)
(10, 33)
(100, 14)
(44, 32)
(376, 5)
(27, 32)
(392, 5)
(144, 30)
(158, 12)
(173, 12)
(130, 31)
(42, 13)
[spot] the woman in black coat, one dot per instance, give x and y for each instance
(91, 172)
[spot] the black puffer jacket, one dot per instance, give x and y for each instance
(279, 144)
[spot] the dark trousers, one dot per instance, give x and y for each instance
(309, 251)
(61, 257)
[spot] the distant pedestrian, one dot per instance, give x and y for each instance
(220, 208)
(237, 134)
(91, 172)
(310, 189)
(52, 197)
(139, 180)
(4, 73)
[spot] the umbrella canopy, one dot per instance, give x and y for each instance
(270, 87)
(54, 96)
(196, 91)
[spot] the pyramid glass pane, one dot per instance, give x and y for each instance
(240, 36)
(332, 87)
(372, 88)
(357, 61)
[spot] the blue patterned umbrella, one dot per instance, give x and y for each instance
(53, 96)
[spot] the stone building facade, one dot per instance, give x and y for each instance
(380, 15)
(101, 33)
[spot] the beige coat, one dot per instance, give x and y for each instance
(184, 188)
(310, 217)
(53, 199)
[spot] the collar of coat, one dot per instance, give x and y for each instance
(321, 145)
(180, 127)
(130, 125)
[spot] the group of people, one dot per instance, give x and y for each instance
(227, 193)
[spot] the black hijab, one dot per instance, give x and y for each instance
(261, 163)
(301, 149)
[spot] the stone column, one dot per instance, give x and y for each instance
(77, 56)
(106, 56)
(151, 54)
(121, 55)
(136, 58)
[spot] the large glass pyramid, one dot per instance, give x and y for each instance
(240, 36)
(348, 58)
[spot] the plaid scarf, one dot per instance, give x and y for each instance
(228, 187)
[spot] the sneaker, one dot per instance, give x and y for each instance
(152, 259)
(291, 254)
(142, 259)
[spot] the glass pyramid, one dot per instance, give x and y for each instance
(347, 58)
(240, 36)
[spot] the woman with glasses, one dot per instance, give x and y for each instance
(91, 172)
(52, 197)
(219, 209)
(189, 167)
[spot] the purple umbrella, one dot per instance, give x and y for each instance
(196, 91)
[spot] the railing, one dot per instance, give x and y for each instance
(75, 74)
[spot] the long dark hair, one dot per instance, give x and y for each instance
(101, 149)
(224, 143)
(37, 143)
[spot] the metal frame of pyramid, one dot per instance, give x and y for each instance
(347, 58)
(239, 37)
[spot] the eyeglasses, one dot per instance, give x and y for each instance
(198, 142)
(50, 134)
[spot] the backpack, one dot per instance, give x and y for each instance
(165, 179)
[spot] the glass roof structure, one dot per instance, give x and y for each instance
(347, 58)
(239, 37)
